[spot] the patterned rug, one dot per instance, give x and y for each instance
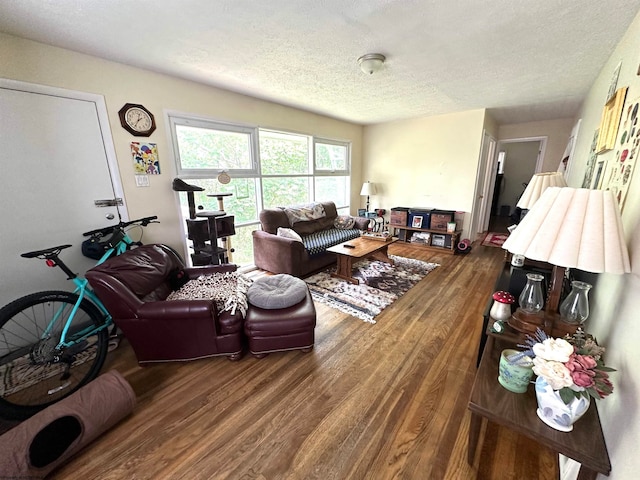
(494, 239)
(380, 285)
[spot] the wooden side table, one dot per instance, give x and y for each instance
(517, 411)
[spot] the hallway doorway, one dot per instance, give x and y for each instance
(516, 162)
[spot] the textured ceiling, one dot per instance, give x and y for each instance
(524, 60)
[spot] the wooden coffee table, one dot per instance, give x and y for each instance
(361, 248)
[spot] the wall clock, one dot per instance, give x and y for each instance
(137, 120)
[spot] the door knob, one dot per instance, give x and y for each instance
(110, 216)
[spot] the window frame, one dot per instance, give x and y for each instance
(332, 173)
(210, 124)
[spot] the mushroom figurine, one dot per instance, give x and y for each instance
(501, 308)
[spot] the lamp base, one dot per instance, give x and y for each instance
(550, 323)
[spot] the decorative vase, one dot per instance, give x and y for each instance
(575, 308)
(531, 299)
(554, 412)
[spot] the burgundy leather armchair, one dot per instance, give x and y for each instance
(134, 286)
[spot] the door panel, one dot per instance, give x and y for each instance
(54, 166)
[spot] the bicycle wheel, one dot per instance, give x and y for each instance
(33, 372)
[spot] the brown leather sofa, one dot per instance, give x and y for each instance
(134, 286)
(278, 254)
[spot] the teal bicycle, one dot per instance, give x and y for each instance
(54, 342)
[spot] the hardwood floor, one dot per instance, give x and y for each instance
(376, 401)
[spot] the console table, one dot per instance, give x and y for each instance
(517, 411)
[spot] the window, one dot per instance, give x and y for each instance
(331, 156)
(201, 146)
(268, 168)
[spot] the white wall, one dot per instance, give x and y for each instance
(556, 131)
(425, 162)
(614, 319)
(119, 84)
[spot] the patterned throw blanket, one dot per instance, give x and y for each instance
(228, 291)
(304, 213)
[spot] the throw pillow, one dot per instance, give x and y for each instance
(344, 222)
(289, 233)
(277, 291)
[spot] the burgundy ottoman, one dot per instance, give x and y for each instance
(281, 315)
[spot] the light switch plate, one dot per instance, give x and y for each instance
(142, 180)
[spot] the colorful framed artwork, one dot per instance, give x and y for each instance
(417, 221)
(626, 153)
(610, 121)
(145, 158)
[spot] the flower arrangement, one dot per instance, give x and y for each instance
(572, 365)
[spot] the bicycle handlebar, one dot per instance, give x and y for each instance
(101, 232)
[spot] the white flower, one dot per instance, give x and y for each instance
(555, 373)
(553, 349)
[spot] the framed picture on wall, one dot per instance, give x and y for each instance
(417, 221)
(610, 121)
(597, 176)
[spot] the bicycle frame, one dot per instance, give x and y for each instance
(84, 291)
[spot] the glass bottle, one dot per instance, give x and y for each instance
(575, 308)
(531, 299)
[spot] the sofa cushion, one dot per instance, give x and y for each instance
(142, 270)
(312, 226)
(344, 221)
(272, 218)
(318, 242)
(289, 233)
(277, 291)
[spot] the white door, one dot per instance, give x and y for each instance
(56, 159)
(482, 200)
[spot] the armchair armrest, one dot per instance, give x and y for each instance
(178, 309)
(278, 254)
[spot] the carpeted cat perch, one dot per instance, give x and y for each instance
(38, 445)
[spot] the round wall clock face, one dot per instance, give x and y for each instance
(137, 120)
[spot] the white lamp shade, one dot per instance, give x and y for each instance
(537, 185)
(573, 228)
(368, 188)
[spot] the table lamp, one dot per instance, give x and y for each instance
(568, 228)
(368, 188)
(536, 187)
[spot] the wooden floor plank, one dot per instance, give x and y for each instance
(383, 401)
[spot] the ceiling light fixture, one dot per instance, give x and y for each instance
(371, 62)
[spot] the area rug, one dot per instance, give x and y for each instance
(494, 239)
(380, 285)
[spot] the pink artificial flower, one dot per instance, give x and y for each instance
(581, 368)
